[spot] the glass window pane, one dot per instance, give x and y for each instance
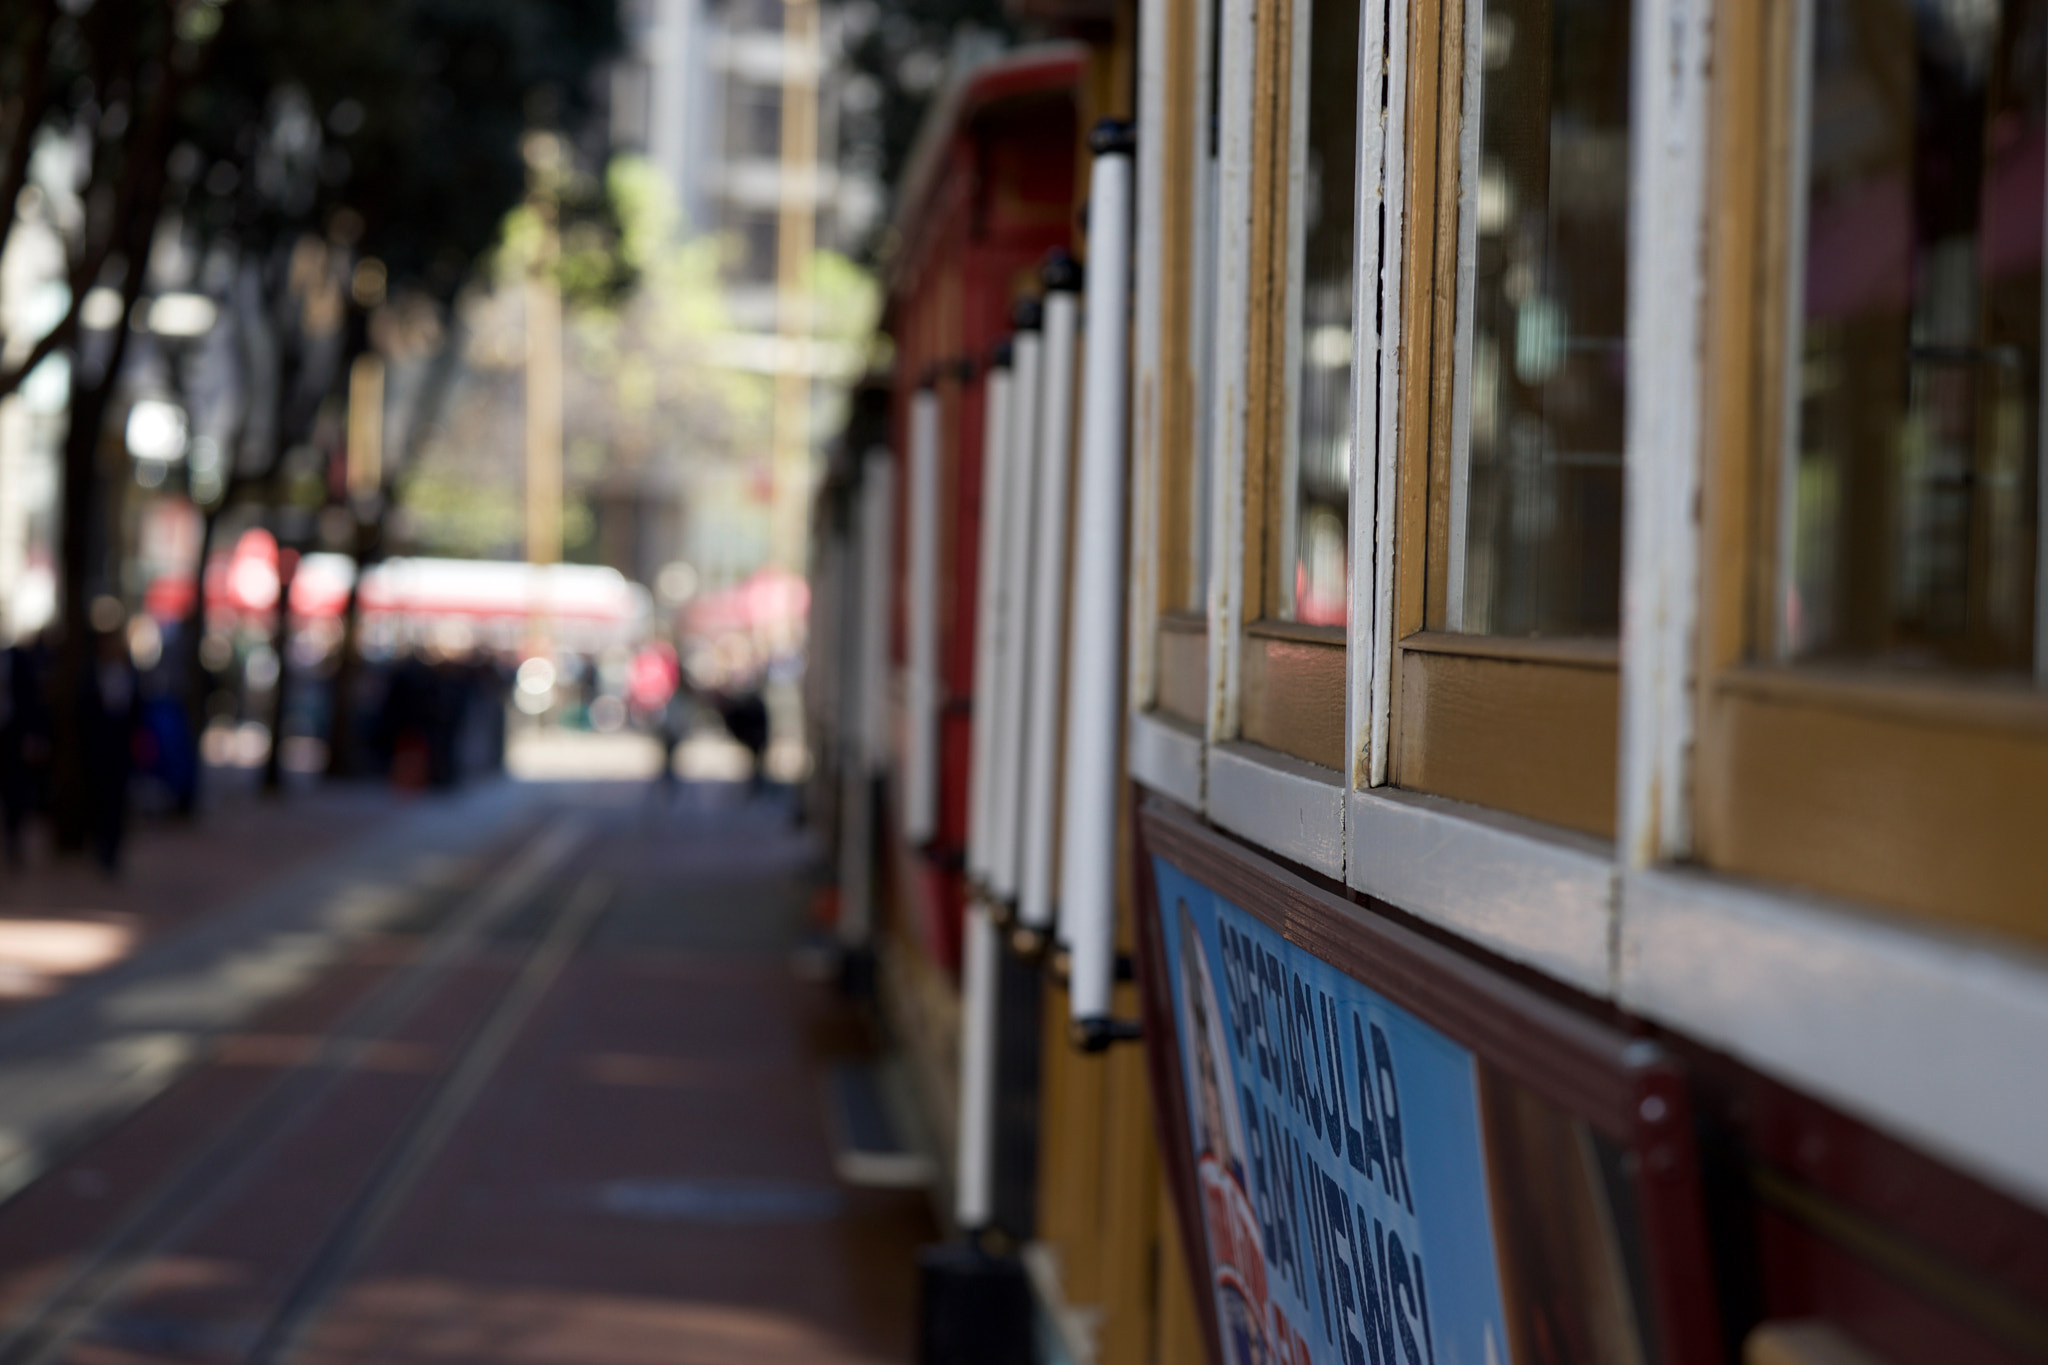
(1536, 502)
(1317, 477)
(1913, 480)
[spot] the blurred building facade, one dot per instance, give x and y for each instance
(704, 94)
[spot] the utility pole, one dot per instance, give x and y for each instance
(795, 240)
(543, 366)
(365, 429)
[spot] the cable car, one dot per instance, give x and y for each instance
(1434, 701)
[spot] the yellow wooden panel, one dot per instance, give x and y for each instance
(1877, 798)
(922, 1005)
(1130, 1217)
(1810, 1342)
(1073, 1093)
(1533, 737)
(1293, 690)
(1179, 1339)
(1184, 670)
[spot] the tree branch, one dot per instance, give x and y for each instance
(34, 100)
(138, 195)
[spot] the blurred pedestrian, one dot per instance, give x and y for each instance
(112, 712)
(670, 723)
(174, 756)
(405, 730)
(746, 720)
(450, 719)
(24, 738)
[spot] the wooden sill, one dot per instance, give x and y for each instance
(1296, 631)
(1577, 652)
(2005, 703)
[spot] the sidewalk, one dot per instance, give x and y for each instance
(64, 919)
(120, 984)
(555, 1097)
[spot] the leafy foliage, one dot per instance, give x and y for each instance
(402, 124)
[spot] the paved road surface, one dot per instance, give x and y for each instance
(520, 1076)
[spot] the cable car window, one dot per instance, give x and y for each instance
(1910, 490)
(1872, 720)
(1507, 682)
(1316, 478)
(1535, 488)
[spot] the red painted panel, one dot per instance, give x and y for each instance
(982, 206)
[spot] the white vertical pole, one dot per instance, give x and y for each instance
(974, 1191)
(1007, 764)
(991, 602)
(871, 690)
(856, 854)
(921, 644)
(974, 1197)
(1088, 813)
(1035, 908)
(877, 544)
(1668, 152)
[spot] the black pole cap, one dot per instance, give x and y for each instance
(1113, 137)
(1060, 272)
(1027, 314)
(1097, 1033)
(999, 355)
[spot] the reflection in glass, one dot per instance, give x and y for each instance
(1914, 478)
(1535, 499)
(1317, 477)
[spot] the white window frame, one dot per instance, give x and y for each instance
(1294, 808)
(1163, 752)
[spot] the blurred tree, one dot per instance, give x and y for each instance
(658, 389)
(97, 87)
(646, 380)
(313, 149)
(98, 109)
(422, 119)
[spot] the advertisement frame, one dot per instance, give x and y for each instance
(1627, 1088)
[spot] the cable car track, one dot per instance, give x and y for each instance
(198, 1184)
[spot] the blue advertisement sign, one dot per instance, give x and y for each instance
(1340, 1154)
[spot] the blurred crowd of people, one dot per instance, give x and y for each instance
(121, 725)
(424, 716)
